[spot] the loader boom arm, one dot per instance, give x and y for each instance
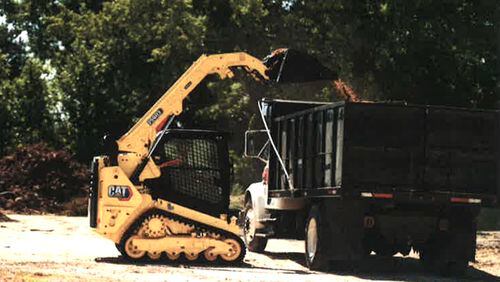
(140, 137)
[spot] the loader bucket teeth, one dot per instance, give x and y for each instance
(291, 66)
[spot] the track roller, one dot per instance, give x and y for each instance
(191, 256)
(154, 255)
(131, 250)
(235, 251)
(209, 255)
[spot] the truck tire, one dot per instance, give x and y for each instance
(449, 252)
(441, 254)
(254, 243)
(315, 241)
(438, 264)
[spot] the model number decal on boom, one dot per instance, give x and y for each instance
(155, 116)
(119, 191)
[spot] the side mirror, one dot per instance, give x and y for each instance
(257, 144)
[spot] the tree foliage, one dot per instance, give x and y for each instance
(71, 70)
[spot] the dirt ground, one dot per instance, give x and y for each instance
(56, 248)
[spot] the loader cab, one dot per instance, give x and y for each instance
(195, 170)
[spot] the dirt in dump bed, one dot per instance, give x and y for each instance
(38, 179)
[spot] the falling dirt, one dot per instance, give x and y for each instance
(345, 91)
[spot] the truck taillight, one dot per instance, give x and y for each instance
(265, 175)
(377, 195)
(465, 200)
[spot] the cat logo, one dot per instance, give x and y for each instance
(123, 193)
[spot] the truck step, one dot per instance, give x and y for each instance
(264, 235)
(264, 220)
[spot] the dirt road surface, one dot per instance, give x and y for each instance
(57, 248)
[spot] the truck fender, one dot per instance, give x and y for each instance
(257, 193)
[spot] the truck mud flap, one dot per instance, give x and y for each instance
(344, 227)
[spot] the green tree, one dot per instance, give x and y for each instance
(420, 51)
(91, 66)
(114, 64)
(23, 107)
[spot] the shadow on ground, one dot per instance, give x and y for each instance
(372, 268)
(392, 268)
(201, 264)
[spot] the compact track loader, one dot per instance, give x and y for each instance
(159, 191)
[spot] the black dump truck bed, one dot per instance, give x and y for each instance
(418, 152)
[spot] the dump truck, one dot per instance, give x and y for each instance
(163, 192)
(354, 179)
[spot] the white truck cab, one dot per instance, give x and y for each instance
(258, 213)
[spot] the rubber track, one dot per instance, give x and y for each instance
(199, 228)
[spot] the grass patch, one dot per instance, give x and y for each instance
(236, 202)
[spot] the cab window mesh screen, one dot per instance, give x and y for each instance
(193, 153)
(198, 184)
(192, 168)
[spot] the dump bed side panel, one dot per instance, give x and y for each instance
(294, 141)
(306, 144)
(461, 151)
(349, 148)
(383, 147)
(420, 148)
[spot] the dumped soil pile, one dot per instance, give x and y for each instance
(37, 179)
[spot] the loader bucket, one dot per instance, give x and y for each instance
(292, 66)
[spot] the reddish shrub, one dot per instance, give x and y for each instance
(37, 179)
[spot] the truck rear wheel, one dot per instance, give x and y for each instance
(443, 266)
(315, 243)
(449, 253)
(254, 243)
